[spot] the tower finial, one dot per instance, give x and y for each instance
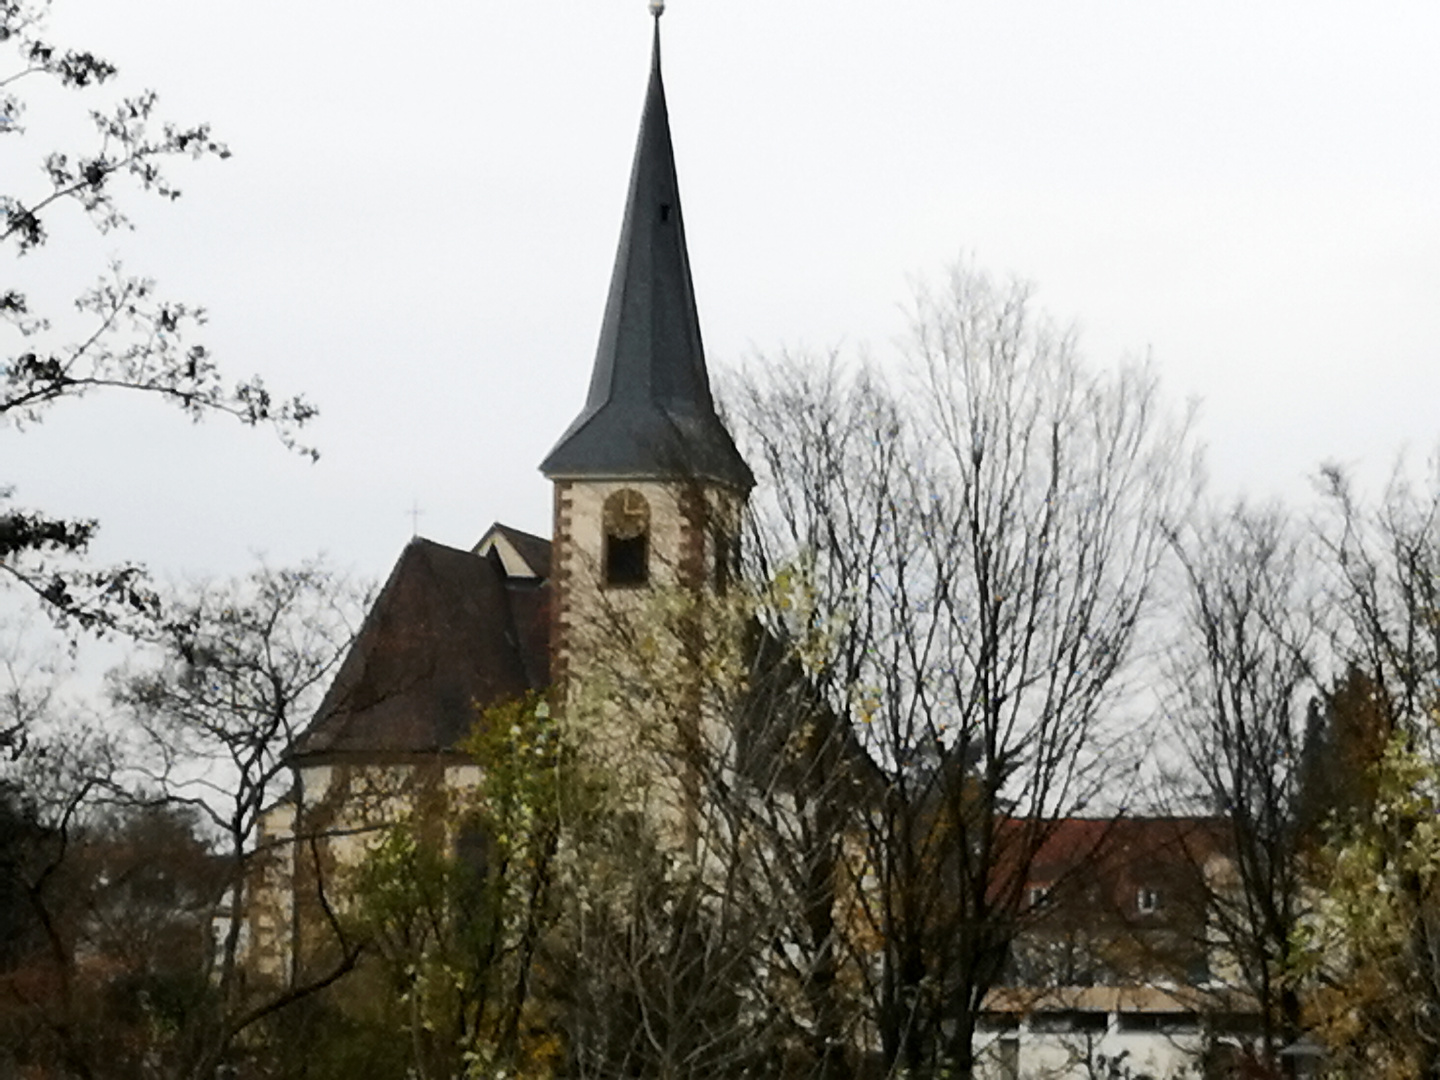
(657, 8)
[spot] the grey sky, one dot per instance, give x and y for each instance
(418, 225)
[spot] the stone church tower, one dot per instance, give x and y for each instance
(648, 483)
(648, 491)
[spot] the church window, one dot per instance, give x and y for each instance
(627, 539)
(727, 559)
(472, 850)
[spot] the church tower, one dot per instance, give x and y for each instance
(648, 483)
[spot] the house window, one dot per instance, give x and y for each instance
(997, 1022)
(1165, 1023)
(1038, 893)
(1007, 1058)
(1069, 1022)
(627, 539)
(1147, 901)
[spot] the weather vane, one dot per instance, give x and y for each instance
(657, 8)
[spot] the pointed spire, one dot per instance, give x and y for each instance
(649, 414)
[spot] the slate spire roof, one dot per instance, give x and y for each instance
(649, 414)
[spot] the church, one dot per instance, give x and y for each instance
(648, 492)
(648, 487)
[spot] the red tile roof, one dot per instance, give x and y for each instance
(1135, 844)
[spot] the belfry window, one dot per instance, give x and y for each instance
(627, 539)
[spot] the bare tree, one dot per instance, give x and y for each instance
(978, 550)
(235, 673)
(107, 906)
(1246, 681)
(1385, 563)
(663, 968)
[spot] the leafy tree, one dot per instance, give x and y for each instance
(1372, 947)
(1346, 736)
(124, 335)
(111, 912)
(457, 900)
(1375, 941)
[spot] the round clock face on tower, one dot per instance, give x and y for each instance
(627, 515)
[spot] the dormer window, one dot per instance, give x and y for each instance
(627, 539)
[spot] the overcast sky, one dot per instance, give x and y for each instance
(418, 224)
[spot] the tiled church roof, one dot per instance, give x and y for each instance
(449, 632)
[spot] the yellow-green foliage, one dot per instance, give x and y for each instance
(1370, 942)
(519, 750)
(458, 927)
